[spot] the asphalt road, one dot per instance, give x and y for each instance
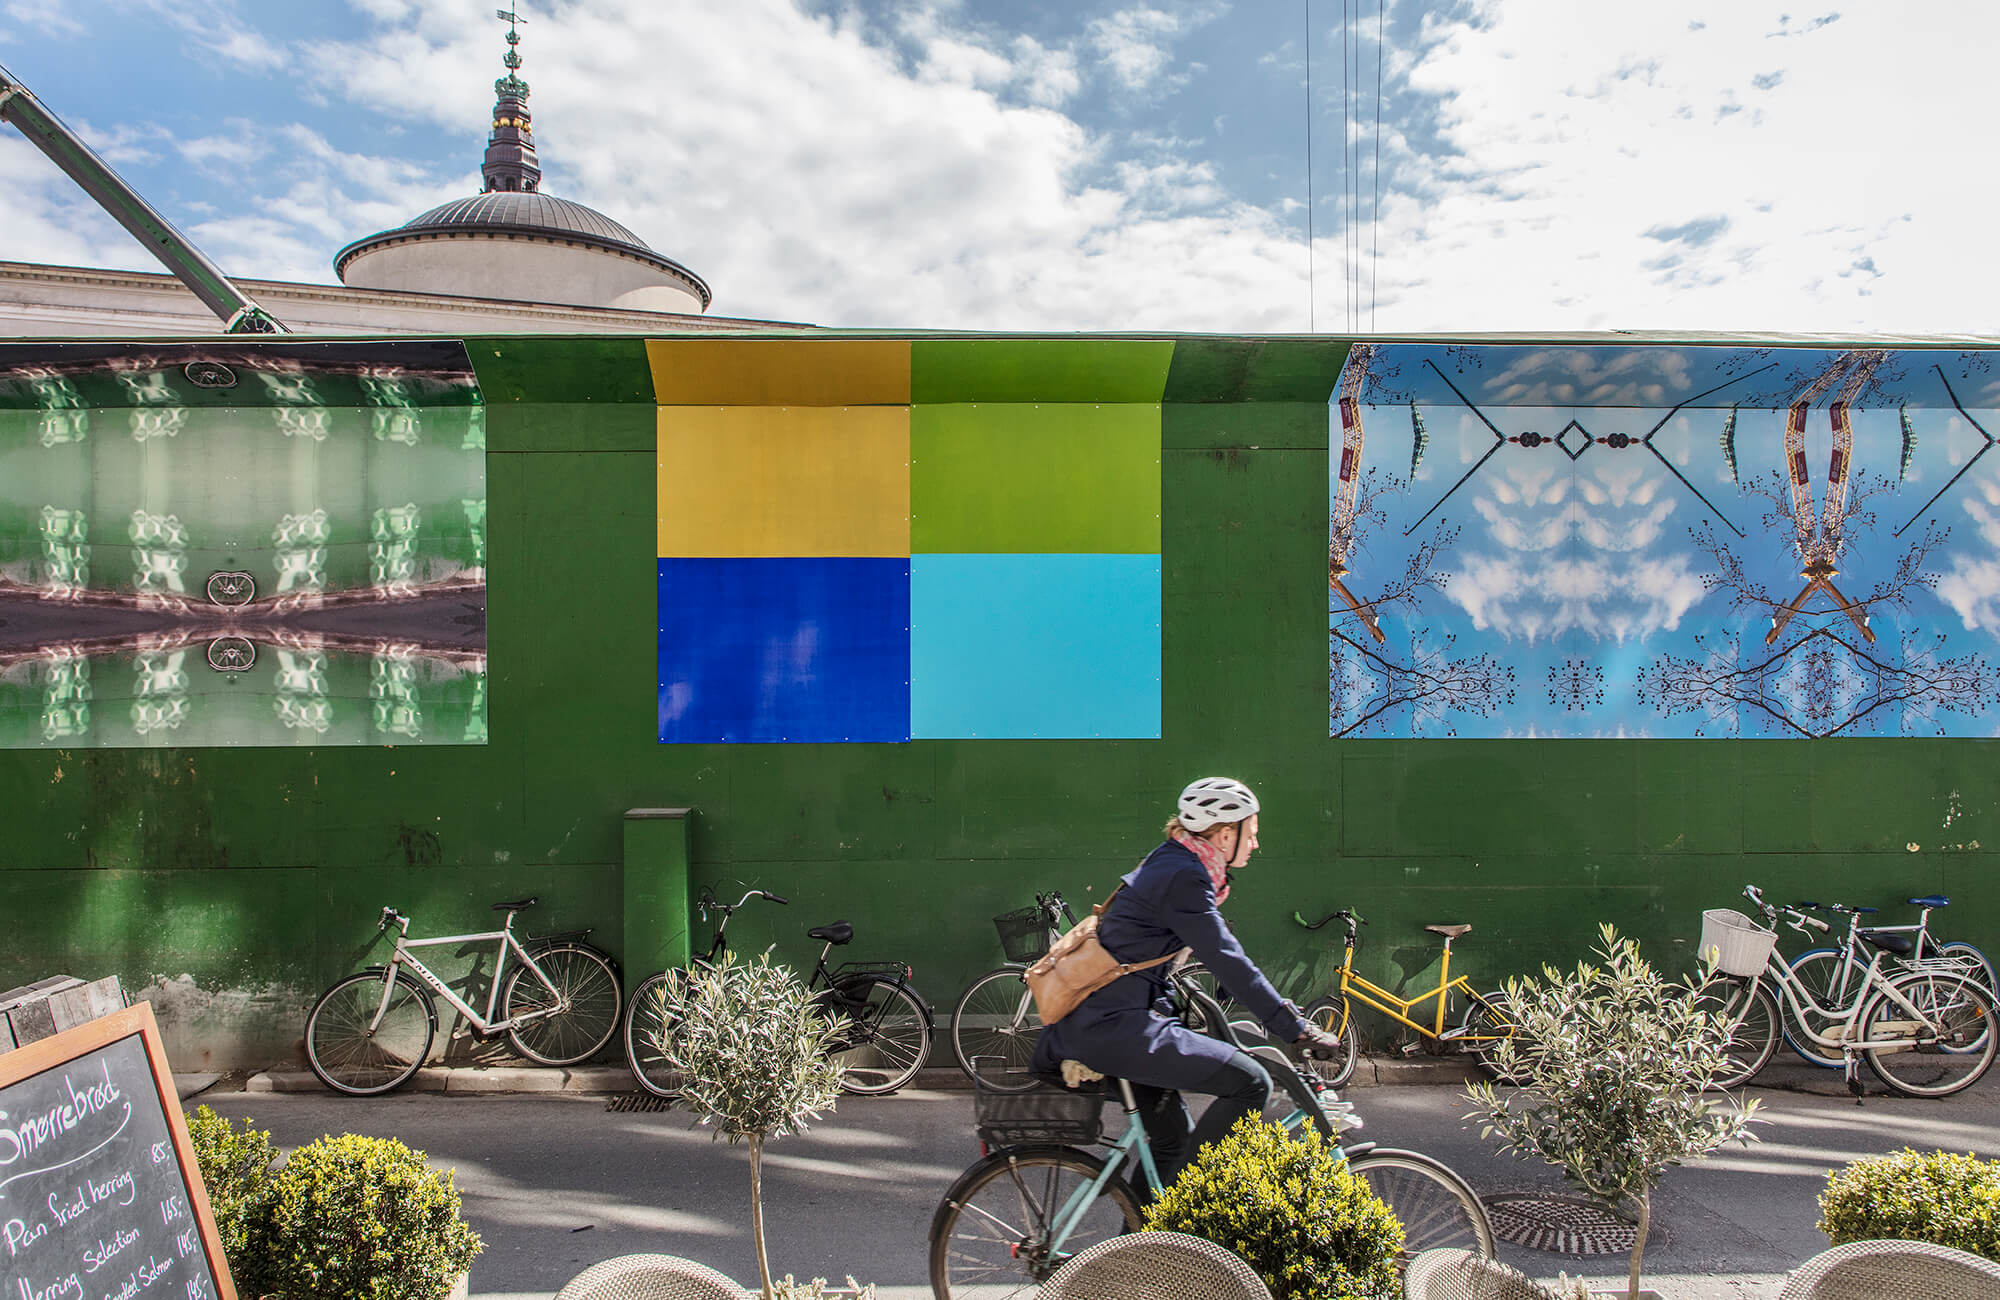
(556, 1182)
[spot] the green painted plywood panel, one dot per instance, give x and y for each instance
(594, 371)
(1254, 425)
(625, 426)
(1688, 796)
(1036, 478)
(1255, 370)
(1039, 370)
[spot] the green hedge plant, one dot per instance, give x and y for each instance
(236, 1170)
(1288, 1204)
(364, 1218)
(1945, 1199)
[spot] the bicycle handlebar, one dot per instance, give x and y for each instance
(1344, 914)
(1792, 916)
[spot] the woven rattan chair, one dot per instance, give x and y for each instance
(650, 1277)
(1466, 1275)
(1155, 1266)
(1893, 1270)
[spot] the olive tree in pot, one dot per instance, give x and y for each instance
(1616, 1066)
(750, 1043)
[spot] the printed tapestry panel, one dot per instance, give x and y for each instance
(1585, 540)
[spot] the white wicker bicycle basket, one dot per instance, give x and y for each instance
(1735, 943)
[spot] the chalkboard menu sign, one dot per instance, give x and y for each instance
(100, 1198)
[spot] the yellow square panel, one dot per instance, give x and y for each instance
(784, 481)
(780, 372)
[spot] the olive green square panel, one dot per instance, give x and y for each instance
(1047, 478)
(1039, 370)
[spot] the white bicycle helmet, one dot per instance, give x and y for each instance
(1215, 799)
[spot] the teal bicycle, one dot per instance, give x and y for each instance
(1040, 1193)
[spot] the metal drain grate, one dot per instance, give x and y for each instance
(1563, 1225)
(643, 1102)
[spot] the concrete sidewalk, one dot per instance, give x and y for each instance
(556, 1181)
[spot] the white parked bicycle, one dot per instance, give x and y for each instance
(373, 1030)
(1925, 1029)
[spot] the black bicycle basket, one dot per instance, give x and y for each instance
(1046, 1114)
(1024, 934)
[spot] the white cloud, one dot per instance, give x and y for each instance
(1135, 44)
(56, 19)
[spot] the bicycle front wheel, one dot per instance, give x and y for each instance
(346, 1056)
(887, 1037)
(1436, 1207)
(996, 1018)
(992, 1237)
(646, 1025)
(1752, 1014)
(572, 1021)
(1949, 1049)
(1334, 1015)
(1821, 972)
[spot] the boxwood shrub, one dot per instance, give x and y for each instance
(1948, 1200)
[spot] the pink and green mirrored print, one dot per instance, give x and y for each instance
(241, 543)
(1599, 540)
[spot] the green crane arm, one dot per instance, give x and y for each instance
(66, 150)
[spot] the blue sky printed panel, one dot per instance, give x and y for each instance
(1019, 646)
(773, 650)
(1571, 540)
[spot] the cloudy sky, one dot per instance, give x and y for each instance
(1084, 164)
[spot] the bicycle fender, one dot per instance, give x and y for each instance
(923, 1004)
(1358, 1149)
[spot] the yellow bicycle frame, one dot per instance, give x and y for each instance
(1358, 988)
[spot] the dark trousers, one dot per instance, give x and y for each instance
(1240, 1087)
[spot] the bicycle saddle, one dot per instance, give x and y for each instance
(1895, 943)
(517, 906)
(1449, 931)
(1931, 900)
(837, 933)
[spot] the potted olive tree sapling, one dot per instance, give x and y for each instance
(1615, 1065)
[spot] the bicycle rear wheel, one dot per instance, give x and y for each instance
(996, 1018)
(1951, 1051)
(1436, 1207)
(1980, 969)
(887, 1038)
(346, 1057)
(646, 1026)
(582, 1012)
(1334, 1015)
(991, 1236)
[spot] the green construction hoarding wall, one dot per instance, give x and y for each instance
(234, 883)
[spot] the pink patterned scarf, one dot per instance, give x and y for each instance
(1211, 858)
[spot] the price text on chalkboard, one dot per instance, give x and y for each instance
(100, 1198)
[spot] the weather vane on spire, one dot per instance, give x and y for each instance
(511, 83)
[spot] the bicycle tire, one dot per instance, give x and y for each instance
(1963, 1012)
(1818, 972)
(1753, 1040)
(1436, 1207)
(346, 1057)
(989, 1235)
(995, 1017)
(586, 980)
(1984, 975)
(646, 1026)
(888, 1037)
(1335, 1015)
(1486, 1019)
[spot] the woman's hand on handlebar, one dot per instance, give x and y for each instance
(1319, 1045)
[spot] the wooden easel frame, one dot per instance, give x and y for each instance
(137, 1019)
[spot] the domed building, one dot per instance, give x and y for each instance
(545, 249)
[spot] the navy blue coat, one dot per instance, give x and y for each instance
(1125, 1029)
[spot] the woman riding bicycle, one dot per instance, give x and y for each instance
(1128, 1030)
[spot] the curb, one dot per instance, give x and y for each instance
(503, 1080)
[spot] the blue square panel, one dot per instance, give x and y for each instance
(779, 650)
(1050, 646)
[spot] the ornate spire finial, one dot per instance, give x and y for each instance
(510, 150)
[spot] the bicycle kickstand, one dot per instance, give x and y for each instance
(1852, 1060)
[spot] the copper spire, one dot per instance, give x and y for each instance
(510, 149)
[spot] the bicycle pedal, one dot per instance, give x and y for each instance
(1410, 1049)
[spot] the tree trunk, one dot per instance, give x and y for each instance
(1638, 1245)
(757, 1214)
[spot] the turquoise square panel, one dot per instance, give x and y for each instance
(1034, 646)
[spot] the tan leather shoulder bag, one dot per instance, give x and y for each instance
(1077, 965)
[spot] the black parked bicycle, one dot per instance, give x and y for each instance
(887, 1032)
